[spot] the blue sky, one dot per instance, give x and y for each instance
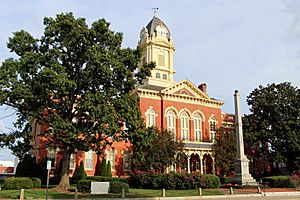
(228, 44)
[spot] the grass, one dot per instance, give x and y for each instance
(133, 193)
(169, 193)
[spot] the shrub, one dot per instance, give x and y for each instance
(99, 178)
(42, 171)
(27, 167)
(103, 167)
(84, 186)
(277, 181)
(169, 181)
(282, 181)
(108, 169)
(54, 180)
(209, 181)
(37, 183)
(124, 180)
(174, 181)
(18, 183)
(117, 186)
(79, 173)
(294, 181)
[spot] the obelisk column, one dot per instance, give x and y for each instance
(238, 127)
(241, 174)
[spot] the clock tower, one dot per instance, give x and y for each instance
(157, 46)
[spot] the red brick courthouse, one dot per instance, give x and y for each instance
(182, 107)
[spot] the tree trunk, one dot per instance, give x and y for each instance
(64, 183)
(98, 165)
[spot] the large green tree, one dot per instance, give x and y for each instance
(156, 151)
(273, 127)
(78, 81)
(224, 149)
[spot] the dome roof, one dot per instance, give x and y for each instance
(154, 23)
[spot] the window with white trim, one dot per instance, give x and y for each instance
(72, 161)
(150, 118)
(110, 156)
(157, 75)
(89, 159)
(126, 161)
(184, 119)
(212, 128)
(165, 76)
(51, 154)
(171, 122)
(197, 128)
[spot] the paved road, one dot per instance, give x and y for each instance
(228, 197)
(260, 198)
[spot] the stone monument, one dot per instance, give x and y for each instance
(241, 173)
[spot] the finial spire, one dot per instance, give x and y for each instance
(155, 9)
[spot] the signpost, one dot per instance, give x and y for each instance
(48, 169)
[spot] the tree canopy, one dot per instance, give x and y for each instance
(156, 152)
(224, 149)
(75, 79)
(273, 127)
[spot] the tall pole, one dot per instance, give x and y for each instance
(48, 173)
(241, 173)
(238, 126)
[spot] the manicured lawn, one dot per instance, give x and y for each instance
(169, 193)
(133, 193)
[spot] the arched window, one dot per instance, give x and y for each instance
(197, 128)
(157, 75)
(165, 76)
(212, 128)
(171, 122)
(184, 119)
(184, 92)
(150, 118)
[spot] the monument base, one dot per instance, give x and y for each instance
(242, 175)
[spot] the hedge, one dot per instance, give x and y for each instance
(174, 181)
(99, 178)
(124, 180)
(282, 181)
(114, 186)
(37, 183)
(117, 186)
(84, 186)
(18, 183)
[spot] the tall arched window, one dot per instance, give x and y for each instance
(212, 128)
(184, 119)
(171, 122)
(150, 118)
(197, 128)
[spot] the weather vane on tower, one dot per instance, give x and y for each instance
(155, 9)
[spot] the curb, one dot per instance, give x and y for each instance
(262, 194)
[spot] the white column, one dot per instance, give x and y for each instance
(201, 164)
(213, 165)
(189, 170)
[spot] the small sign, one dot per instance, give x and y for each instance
(49, 164)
